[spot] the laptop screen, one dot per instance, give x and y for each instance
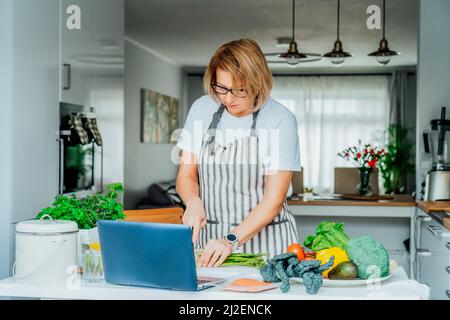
(148, 254)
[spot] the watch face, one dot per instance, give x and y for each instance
(231, 237)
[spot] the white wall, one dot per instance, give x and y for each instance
(108, 99)
(29, 114)
(36, 109)
(146, 163)
(433, 73)
(194, 88)
(6, 55)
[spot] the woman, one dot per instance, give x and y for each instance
(234, 176)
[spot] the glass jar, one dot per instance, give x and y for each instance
(92, 264)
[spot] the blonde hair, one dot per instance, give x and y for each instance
(244, 59)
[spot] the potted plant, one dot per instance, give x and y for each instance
(397, 164)
(367, 158)
(86, 212)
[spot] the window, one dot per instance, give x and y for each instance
(333, 112)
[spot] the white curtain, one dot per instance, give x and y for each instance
(333, 112)
(398, 92)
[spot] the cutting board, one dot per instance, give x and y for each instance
(376, 197)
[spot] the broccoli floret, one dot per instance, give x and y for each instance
(369, 255)
(281, 274)
(284, 257)
(306, 266)
(284, 266)
(291, 270)
(312, 281)
(268, 273)
(275, 269)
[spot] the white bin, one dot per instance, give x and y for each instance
(46, 251)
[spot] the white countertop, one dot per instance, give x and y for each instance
(12, 288)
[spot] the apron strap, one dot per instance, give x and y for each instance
(212, 128)
(216, 117)
(253, 129)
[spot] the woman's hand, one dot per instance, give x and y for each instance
(215, 253)
(195, 216)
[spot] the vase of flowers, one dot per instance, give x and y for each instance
(367, 158)
(363, 188)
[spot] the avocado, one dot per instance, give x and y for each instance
(346, 270)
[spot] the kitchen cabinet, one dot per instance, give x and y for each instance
(390, 222)
(433, 259)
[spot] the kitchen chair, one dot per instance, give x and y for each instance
(346, 180)
(160, 215)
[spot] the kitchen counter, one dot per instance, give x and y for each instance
(434, 206)
(398, 201)
(438, 210)
(385, 290)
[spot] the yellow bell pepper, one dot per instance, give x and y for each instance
(339, 256)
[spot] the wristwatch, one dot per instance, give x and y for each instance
(232, 239)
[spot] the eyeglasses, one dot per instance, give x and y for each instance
(239, 93)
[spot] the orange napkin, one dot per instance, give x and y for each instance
(249, 285)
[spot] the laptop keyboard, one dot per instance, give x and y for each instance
(203, 280)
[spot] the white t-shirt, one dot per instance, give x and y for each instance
(276, 128)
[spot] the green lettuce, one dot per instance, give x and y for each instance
(328, 234)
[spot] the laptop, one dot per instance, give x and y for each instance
(146, 254)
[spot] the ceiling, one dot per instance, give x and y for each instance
(187, 32)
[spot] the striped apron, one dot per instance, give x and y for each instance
(232, 185)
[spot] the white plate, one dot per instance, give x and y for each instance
(348, 283)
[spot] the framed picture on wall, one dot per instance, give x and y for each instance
(159, 117)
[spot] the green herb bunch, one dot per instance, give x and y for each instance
(87, 211)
